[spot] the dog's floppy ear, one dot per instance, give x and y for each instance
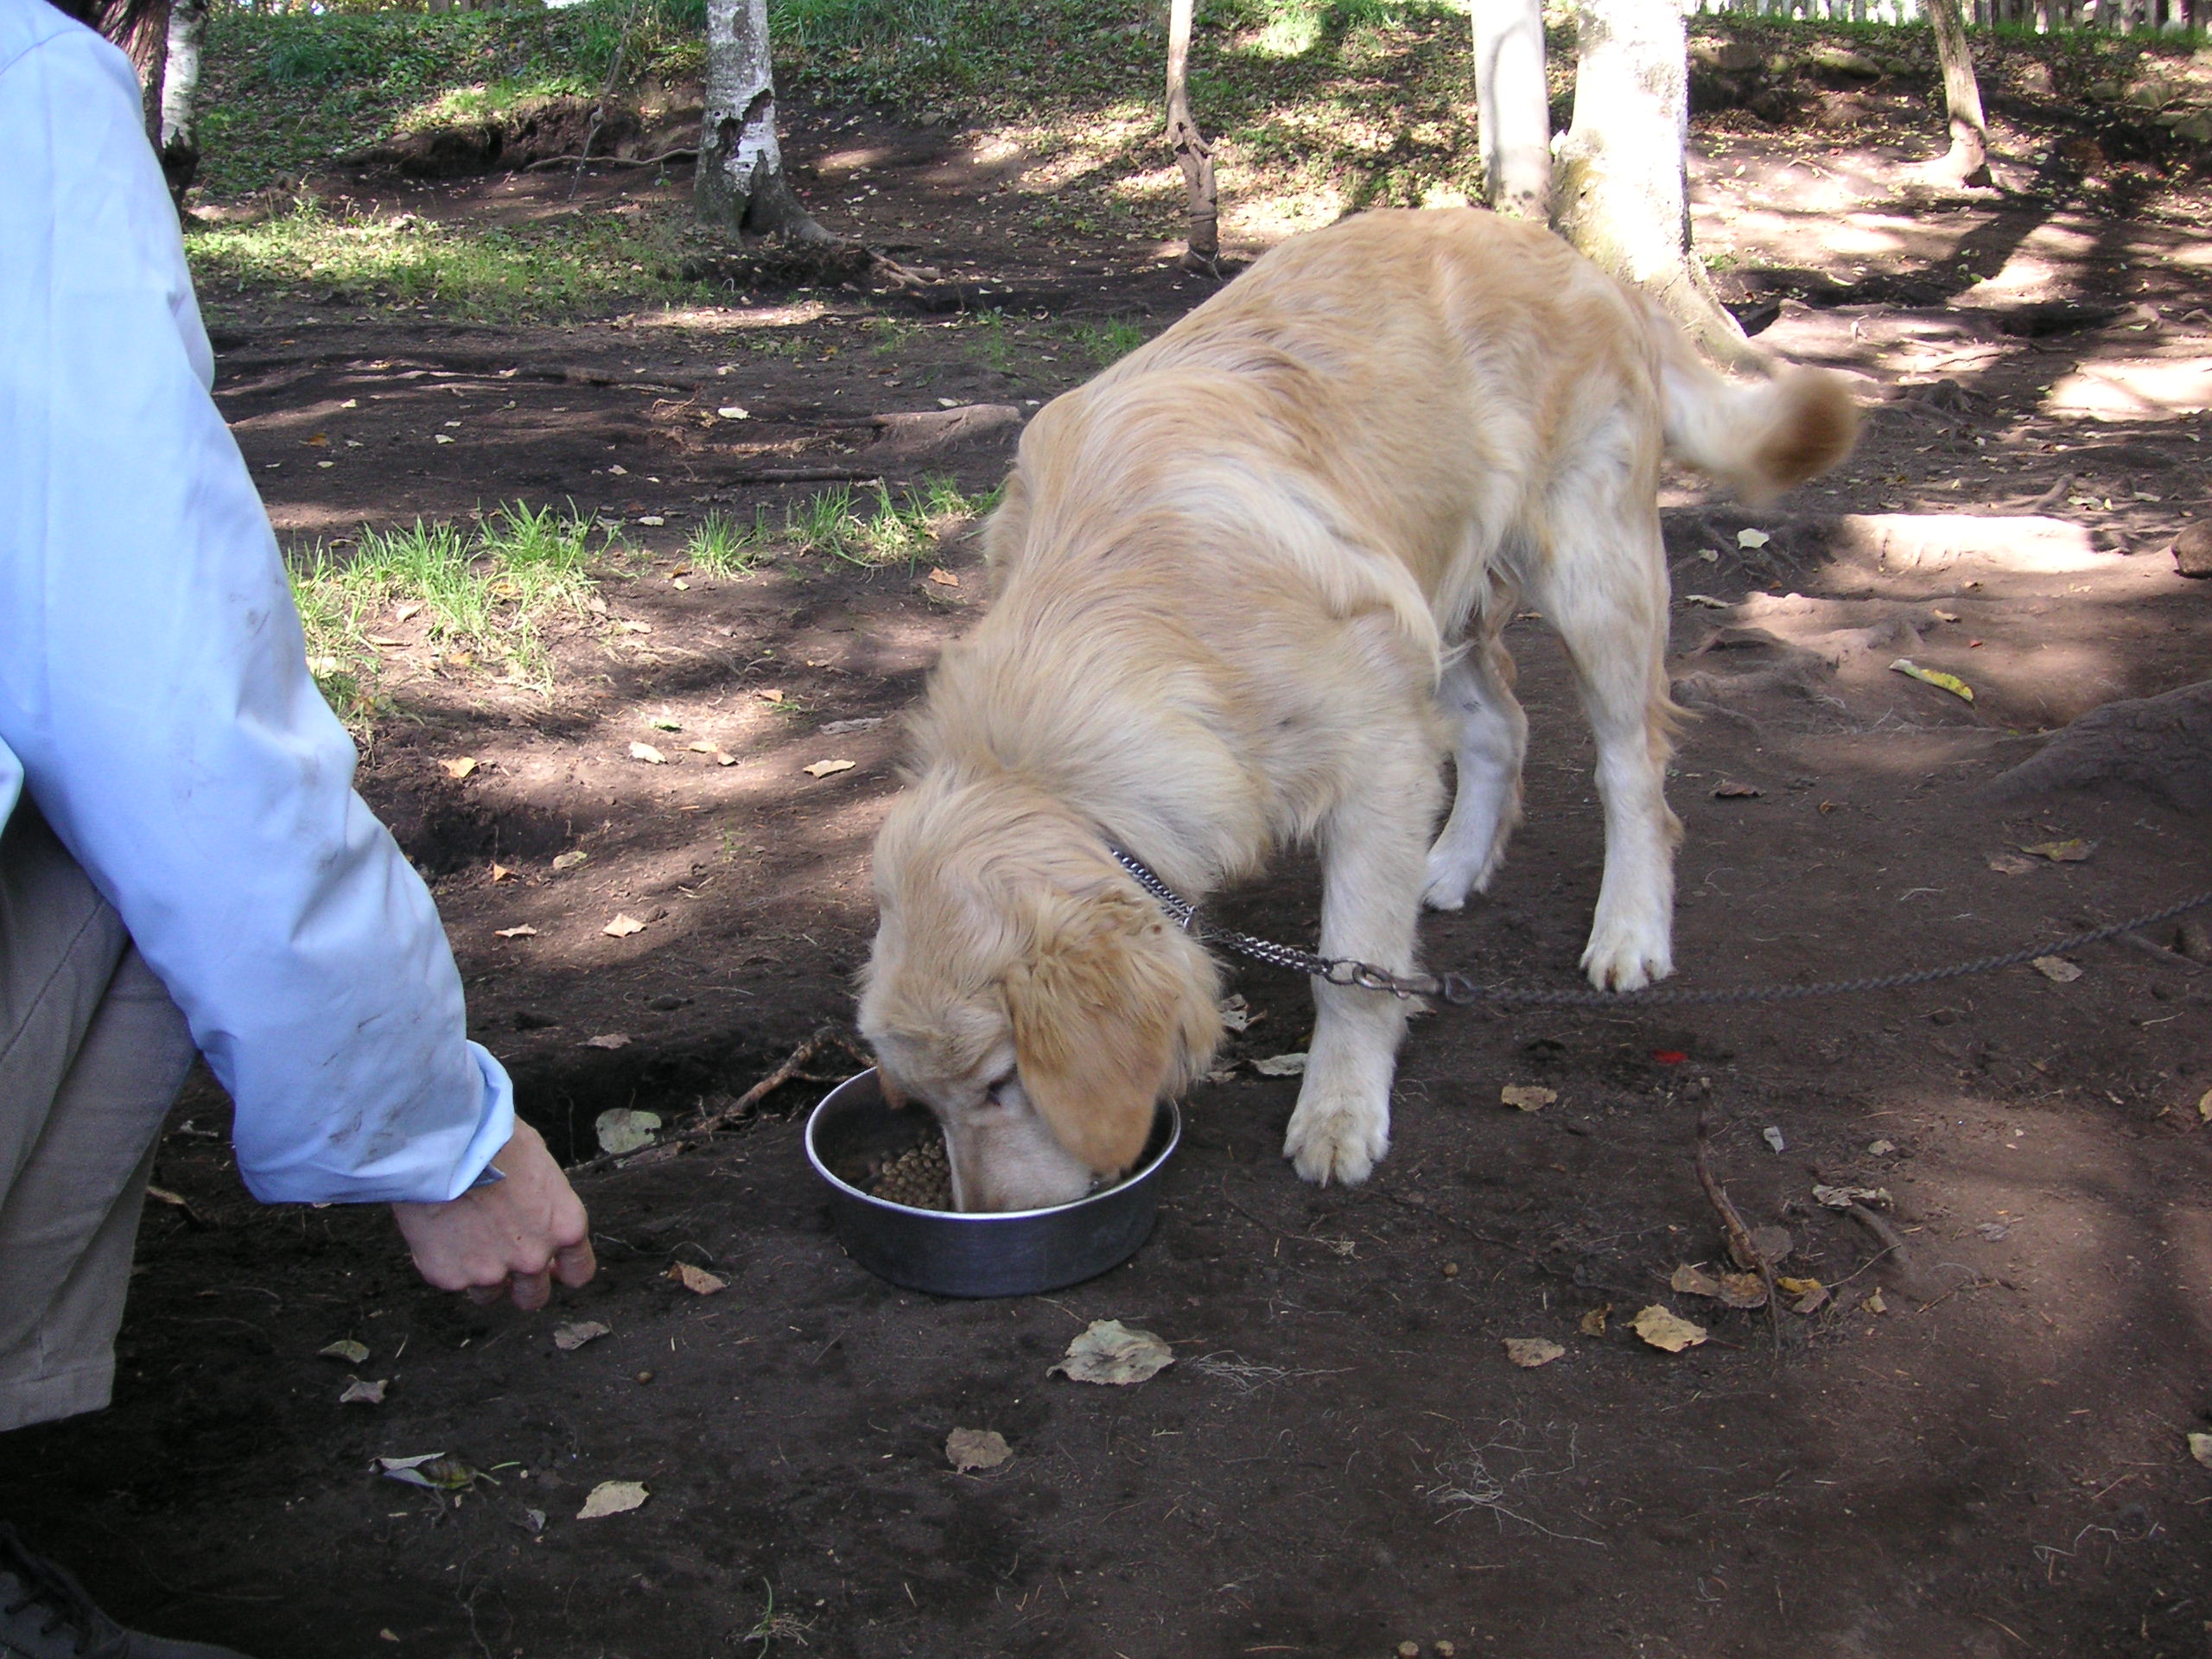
(1111, 1009)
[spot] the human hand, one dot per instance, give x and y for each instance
(512, 1238)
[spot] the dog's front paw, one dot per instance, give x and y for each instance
(1337, 1138)
(1627, 958)
(1453, 873)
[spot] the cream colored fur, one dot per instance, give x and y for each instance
(1248, 589)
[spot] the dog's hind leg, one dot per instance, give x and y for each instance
(1606, 592)
(1489, 737)
(1371, 852)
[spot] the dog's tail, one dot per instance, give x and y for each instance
(1758, 439)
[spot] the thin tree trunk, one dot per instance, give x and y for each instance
(140, 27)
(1968, 161)
(1619, 184)
(1512, 112)
(741, 189)
(180, 133)
(1192, 152)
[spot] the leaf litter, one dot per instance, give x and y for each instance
(622, 1130)
(612, 1498)
(969, 1449)
(1530, 1352)
(570, 1338)
(1663, 1328)
(1112, 1353)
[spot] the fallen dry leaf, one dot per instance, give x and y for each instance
(2010, 864)
(2062, 852)
(1842, 1197)
(460, 768)
(1693, 1282)
(1663, 1328)
(610, 1040)
(1752, 538)
(646, 753)
(1236, 1014)
(769, 693)
(968, 1449)
(2200, 1447)
(346, 1348)
(1111, 1352)
(501, 873)
(864, 723)
(432, 1469)
(358, 1393)
(1742, 1290)
(2204, 1107)
(1772, 1244)
(1934, 676)
(570, 860)
(1797, 1286)
(622, 1129)
(824, 768)
(524, 931)
(1732, 790)
(1812, 1301)
(945, 579)
(1529, 1352)
(652, 521)
(623, 926)
(703, 746)
(570, 1338)
(1874, 1303)
(1592, 1323)
(612, 1498)
(733, 412)
(2057, 969)
(1280, 1065)
(697, 1281)
(1527, 1097)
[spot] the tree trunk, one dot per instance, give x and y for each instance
(741, 189)
(1192, 152)
(1968, 159)
(1513, 114)
(140, 27)
(1619, 183)
(180, 133)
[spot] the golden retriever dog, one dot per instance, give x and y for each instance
(1248, 586)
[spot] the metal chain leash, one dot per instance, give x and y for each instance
(1461, 991)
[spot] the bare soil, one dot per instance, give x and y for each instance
(1973, 1446)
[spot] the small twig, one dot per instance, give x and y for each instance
(1740, 1243)
(611, 160)
(790, 1072)
(2170, 958)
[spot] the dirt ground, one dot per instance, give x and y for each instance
(1975, 1446)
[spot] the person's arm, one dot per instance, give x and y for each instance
(153, 685)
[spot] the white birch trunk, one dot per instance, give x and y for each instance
(740, 188)
(1192, 152)
(1968, 163)
(1620, 189)
(1512, 112)
(180, 135)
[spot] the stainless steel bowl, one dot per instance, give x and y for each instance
(1006, 1253)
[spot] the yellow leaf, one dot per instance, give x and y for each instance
(944, 578)
(2057, 969)
(1798, 1287)
(2062, 852)
(501, 873)
(460, 768)
(824, 768)
(646, 753)
(1592, 1323)
(769, 693)
(697, 1281)
(623, 925)
(525, 932)
(1663, 1328)
(1527, 1097)
(1934, 676)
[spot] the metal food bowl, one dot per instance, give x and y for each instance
(949, 1252)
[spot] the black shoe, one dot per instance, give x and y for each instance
(45, 1614)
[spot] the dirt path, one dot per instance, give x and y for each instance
(1973, 1445)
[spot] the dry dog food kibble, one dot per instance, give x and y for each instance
(918, 1177)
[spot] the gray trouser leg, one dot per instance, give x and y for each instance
(93, 1052)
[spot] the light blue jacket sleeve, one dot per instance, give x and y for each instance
(153, 690)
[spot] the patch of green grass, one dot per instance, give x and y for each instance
(720, 546)
(553, 269)
(997, 352)
(886, 529)
(1108, 342)
(887, 335)
(482, 591)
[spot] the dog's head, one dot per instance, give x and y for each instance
(1028, 992)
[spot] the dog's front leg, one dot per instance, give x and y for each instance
(1373, 851)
